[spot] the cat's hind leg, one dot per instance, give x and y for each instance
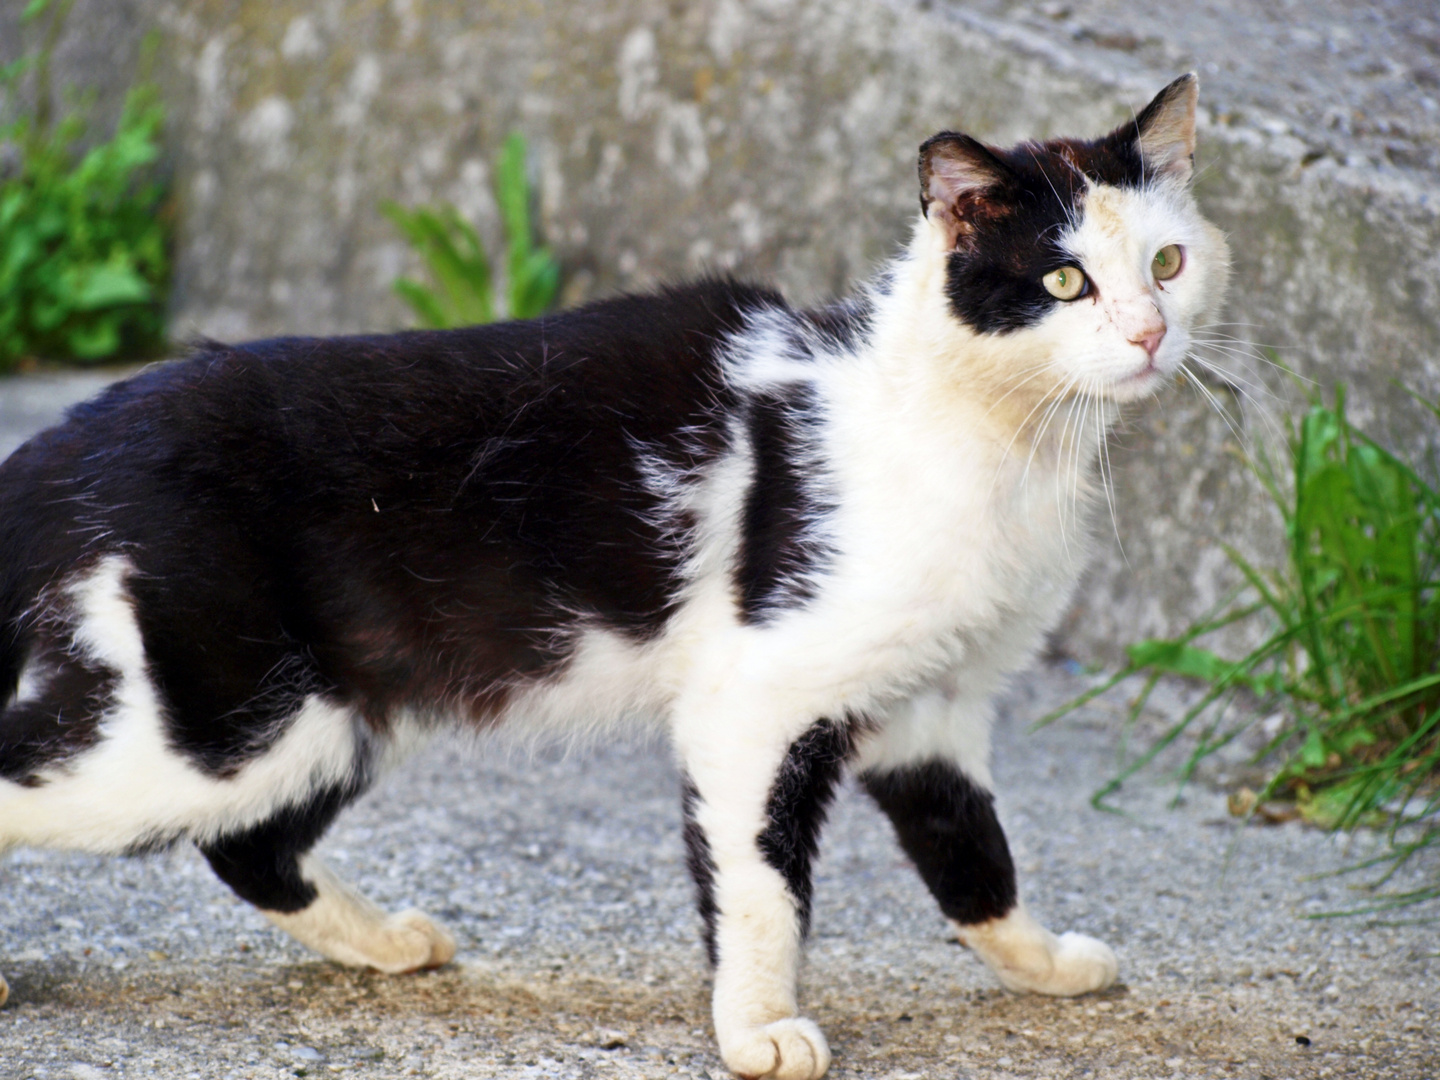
(271, 866)
(935, 789)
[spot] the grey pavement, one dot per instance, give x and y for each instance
(562, 875)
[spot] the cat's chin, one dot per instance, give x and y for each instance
(1137, 387)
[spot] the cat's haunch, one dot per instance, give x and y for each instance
(235, 587)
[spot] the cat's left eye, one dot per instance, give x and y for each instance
(1167, 263)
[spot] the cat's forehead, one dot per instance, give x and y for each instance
(1123, 222)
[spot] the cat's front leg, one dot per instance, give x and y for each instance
(944, 816)
(754, 806)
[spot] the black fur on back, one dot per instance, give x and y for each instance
(417, 520)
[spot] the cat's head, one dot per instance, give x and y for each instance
(1079, 266)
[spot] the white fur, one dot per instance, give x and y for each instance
(1027, 957)
(130, 786)
(349, 929)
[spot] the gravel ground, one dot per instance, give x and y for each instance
(562, 875)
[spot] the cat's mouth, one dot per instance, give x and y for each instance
(1140, 383)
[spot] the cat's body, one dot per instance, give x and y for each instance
(234, 587)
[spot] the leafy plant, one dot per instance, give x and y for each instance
(451, 248)
(1352, 657)
(84, 259)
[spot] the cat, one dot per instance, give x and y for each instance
(236, 587)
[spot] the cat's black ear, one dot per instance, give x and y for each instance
(960, 181)
(1164, 131)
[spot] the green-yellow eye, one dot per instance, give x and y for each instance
(1168, 261)
(1064, 284)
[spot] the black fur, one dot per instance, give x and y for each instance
(948, 827)
(799, 799)
(842, 325)
(701, 863)
(62, 723)
(778, 545)
(405, 521)
(262, 863)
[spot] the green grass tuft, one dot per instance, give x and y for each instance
(461, 292)
(84, 239)
(1351, 657)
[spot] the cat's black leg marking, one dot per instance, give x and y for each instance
(262, 863)
(947, 825)
(799, 799)
(701, 862)
(271, 866)
(794, 812)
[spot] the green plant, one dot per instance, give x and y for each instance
(1352, 656)
(454, 255)
(84, 258)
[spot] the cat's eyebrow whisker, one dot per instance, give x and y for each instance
(1069, 211)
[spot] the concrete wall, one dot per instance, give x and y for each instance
(775, 139)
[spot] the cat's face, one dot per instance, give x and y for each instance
(1078, 267)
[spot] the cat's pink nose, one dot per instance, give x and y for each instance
(1150, 340)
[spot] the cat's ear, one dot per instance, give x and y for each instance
(1164, 131)
(961, 180)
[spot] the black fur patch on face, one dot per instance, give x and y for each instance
(799, 798)
(262, 863)
(701, 863)
(778, 545)
(1010, 239)
(948, 827)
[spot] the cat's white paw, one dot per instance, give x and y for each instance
(791, 1049)
(1026, 957)
(410, 941)
(343, 925)
(1078, 965)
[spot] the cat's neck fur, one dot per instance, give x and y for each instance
(938, 378)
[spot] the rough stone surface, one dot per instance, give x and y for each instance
(776, 139)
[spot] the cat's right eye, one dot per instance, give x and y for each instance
(1067, 283)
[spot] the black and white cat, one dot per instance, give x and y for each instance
(235, 588)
